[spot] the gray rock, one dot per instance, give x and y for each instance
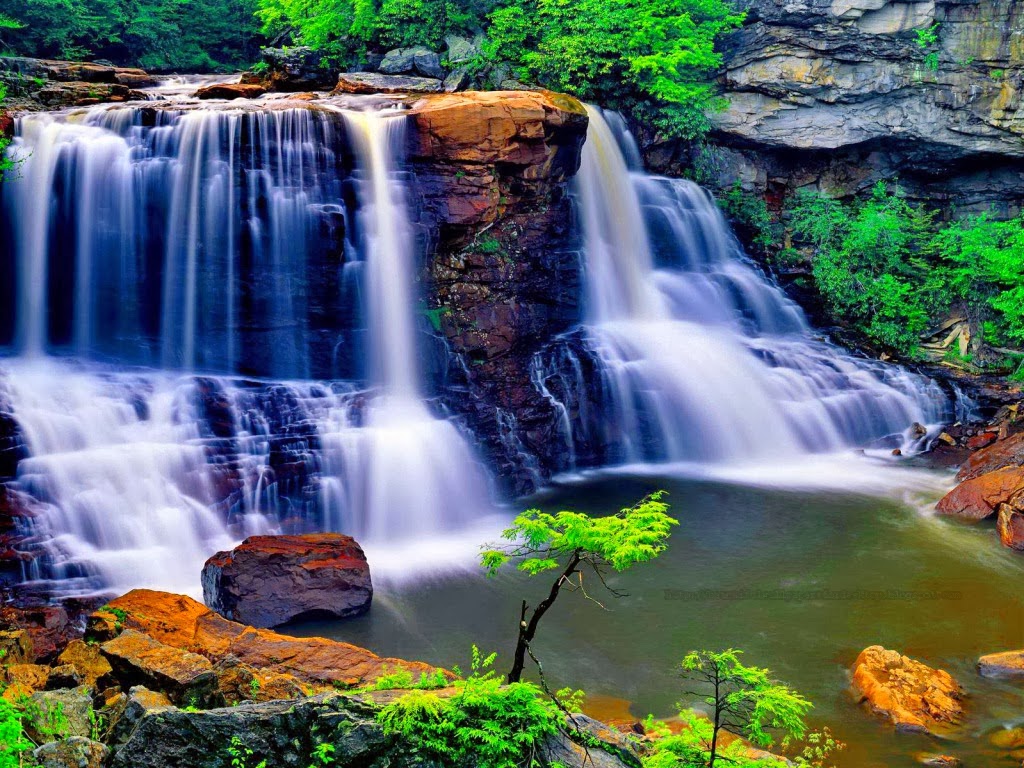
(61, 714)
(76, 752)
(370, 82)
(460, 49)
(457, 80)
(402, 61)
(63, 676)
(140, 701)
(297, 69)
(428, 64)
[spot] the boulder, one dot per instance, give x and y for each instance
(1010, 524)
(75, 752)
(238, 682)
(457, 80)
(61, 714)
(418, 59)
(16, 647)
(911, 695)
(140, 702)
(24, 680)
(460, 50)
(60, 95)
(228, 91)
(63, 676)
(138, 659)
(998, 455)
(271, 580)
(184, 623)
(1003, 664)
(371, 82)
(979, 497)
(75, 71)
(91, 665)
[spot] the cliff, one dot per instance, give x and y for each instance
(841, 93)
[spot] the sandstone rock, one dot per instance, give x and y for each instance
(183, 623)
(1010, 524)
(25, 678)
(51, 627)
(270, 580)
(138, 659)
(16, 647)
(76, 752)
(238, 682)
(59, 95)
(982, 440)
(1004, 664)
(370, 82)
(911, 695)
(61, 714)
(230, 91)
(94, 669)
(63, 676)
(140, 702)
(999, 455)
(979, 497)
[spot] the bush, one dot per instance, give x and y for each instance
(485, 724)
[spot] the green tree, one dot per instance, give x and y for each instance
(653, 58)
(572, 544)
(743, 701)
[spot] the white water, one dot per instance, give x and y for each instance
(702, 358)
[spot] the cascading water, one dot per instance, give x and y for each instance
(702, 359)
(224, 238)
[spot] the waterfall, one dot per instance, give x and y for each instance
(273, 242)
(702, 359)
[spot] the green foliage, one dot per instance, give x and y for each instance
(926, 39)
(323, 755)
(6, 162)
(239, 755)
(13, 742)
(193, 35)
(540, 540)
(889, 268)
(485, 723)
(400, 678)
(690, 748)
(750, 214)
(653, 58)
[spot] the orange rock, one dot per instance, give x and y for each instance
(138, 659)
(1004, 664)
(93, 668)
(238, 682)
(1011, 526)
(979, 497)
(184, 623)
(912, 695)
(16, 647)
(1002, 453)
(230, 91)
(27, 677)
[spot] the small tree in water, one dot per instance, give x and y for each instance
(744, 701)
(574, 544)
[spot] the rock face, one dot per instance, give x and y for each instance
(839, 93)
(979, 497)
(270, 580)
(998, 455)
(45, 84)
(182, 623)
(492, 171)
(911, 695)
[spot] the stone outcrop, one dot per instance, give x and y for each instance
(492, 171)
(371, 82)
(138, 659)
(837, 94)
(979, 497)
(43, 84)
(270, 580)
(911, 695)
(185, 624)
(999, 455)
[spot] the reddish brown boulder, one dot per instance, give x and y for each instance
(979, 497)
(1011, 526)
(138, 659)
(184, 623)
(271, 580)
(1002, 453)
(230, 91)
(911, 695)
(982, 440)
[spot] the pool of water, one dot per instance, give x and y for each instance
(800, 580)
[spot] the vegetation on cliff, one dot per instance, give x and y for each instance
(159, 35)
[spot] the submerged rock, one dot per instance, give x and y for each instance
(911, 695)
(1004, 664)
(1010, 524)
(271, 580)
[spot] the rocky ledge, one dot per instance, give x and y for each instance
(36, 84)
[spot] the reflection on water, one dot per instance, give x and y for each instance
(802, 581)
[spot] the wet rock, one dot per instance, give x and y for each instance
(371, 82)
(16, 647)
(63, 676)
(1007, 738)
(75, 752)
(911, 695)
(183, 623)
(1004, 664)
(61, 714)
(51, 627)
(75, 71)
(60, 95)
(1010, 523)
(1001, 454)
(229, 91)
(937, 761)
(979, 497)
(138, 659)
(983, 440)
(271, 580)
(90, 664)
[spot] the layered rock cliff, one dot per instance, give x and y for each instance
(838, 94)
